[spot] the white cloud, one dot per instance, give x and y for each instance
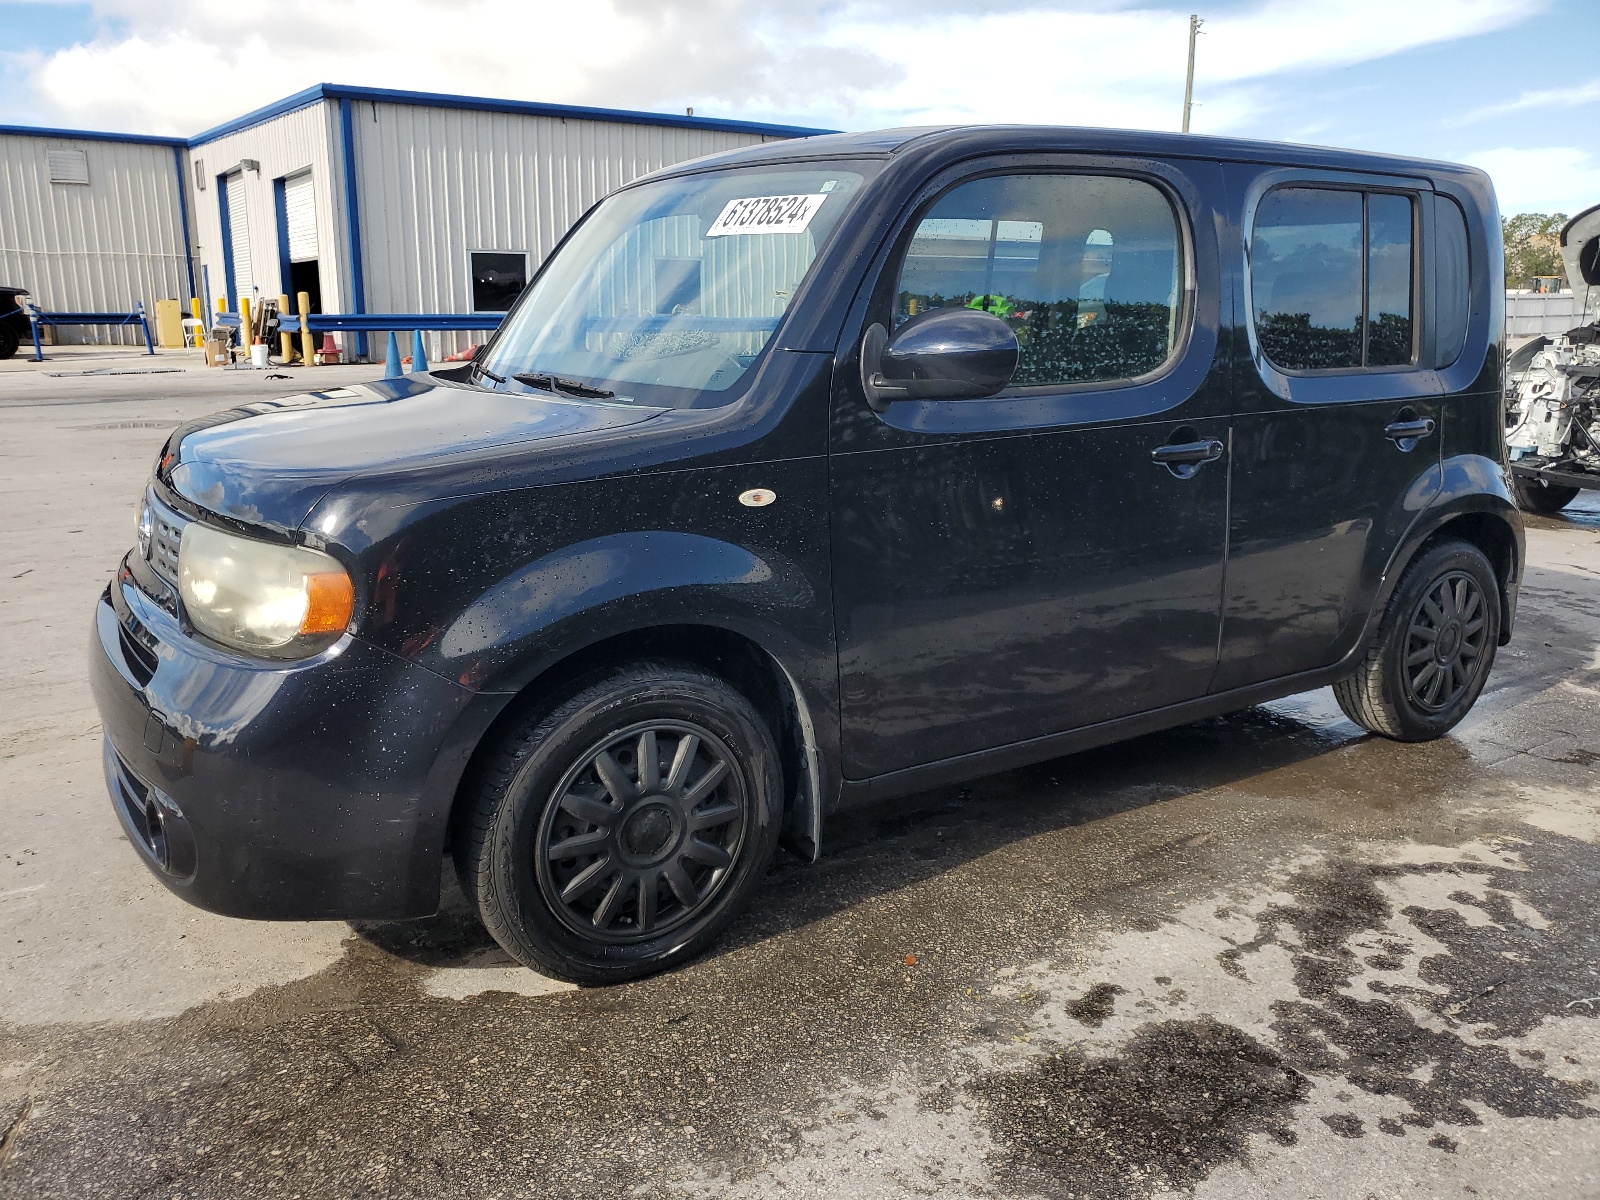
(1562, 97)
(176, 66)
(1545, 179)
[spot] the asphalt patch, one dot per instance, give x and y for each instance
(1094, 1006)
(1179, 1099)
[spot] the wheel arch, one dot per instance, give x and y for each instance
(1475, 504)
(757, 673)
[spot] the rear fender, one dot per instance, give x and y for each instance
(1474, 496)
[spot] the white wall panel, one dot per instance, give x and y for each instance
(284, 146)
(95, 248)
(436, 183)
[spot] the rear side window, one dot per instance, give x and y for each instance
(1452, 280)
(1332, 278)
(1087, 269)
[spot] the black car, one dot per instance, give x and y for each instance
(809, 474)
(14, 326)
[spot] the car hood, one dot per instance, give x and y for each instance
(270, 462)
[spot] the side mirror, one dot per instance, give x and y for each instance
(945, 354)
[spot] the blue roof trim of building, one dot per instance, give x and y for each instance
(575, 111)
(335, 91)
(91, 135)
(302, 99)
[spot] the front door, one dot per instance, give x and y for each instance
(1336, 443)
(1009, 568)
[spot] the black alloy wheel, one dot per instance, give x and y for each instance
(1445, 642)
(618, 831)
(9, 339)
(1429, 658)
(642, 832)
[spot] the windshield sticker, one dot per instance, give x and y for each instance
(766, 214)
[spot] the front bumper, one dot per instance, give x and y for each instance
(306, 790)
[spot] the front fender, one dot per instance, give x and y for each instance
(494, 592)
(606, 586)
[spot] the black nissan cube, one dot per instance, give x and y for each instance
(809, 474)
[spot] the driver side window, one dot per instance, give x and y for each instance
(1087, 269)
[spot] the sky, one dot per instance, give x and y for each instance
(1478, 81)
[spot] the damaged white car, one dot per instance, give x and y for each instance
(1553, 389)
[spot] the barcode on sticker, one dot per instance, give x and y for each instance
(766, 214)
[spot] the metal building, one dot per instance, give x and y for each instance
(92, 221)
(370, 200)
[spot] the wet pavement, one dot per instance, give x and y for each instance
(1261, 955)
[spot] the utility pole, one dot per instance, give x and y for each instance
(1188, 84)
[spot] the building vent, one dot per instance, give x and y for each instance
(69, 166)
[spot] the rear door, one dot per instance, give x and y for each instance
(1336, 439)
(1013, 567)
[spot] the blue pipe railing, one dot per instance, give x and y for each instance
(38, 317)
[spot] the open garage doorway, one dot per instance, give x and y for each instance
(297, 237)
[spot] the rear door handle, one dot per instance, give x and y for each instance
(1183, 459)
(1408, 433)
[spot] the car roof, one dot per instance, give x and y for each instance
(969, 140)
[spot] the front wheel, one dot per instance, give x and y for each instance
(622, 832)
(9, 339)
(1534, 496)
(1430, 658)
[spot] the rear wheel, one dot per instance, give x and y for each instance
(1430, 658)
(9, 339)
(621, 833)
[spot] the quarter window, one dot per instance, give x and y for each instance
(1451, 280)
(1087, 269)
(1331, 277)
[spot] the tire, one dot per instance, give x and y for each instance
(1392, 695)
(660, 861)
(9, 339)
(1542, 497)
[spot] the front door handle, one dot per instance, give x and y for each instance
(1184, 459)
(1408, 431)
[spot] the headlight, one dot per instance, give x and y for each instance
(283, 601)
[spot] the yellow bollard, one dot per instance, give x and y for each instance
(288, 338)
(247, 331)
(199, 330)
(308, 347)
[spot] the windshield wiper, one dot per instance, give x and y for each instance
(566, 387)
(483, 370)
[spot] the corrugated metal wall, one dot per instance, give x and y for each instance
(436, 183)
(283, 146)
(91, 248)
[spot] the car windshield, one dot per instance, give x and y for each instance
(669, 292)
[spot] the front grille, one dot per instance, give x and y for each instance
(164, 541)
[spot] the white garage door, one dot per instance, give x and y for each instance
(300, 209)
(239, 236)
